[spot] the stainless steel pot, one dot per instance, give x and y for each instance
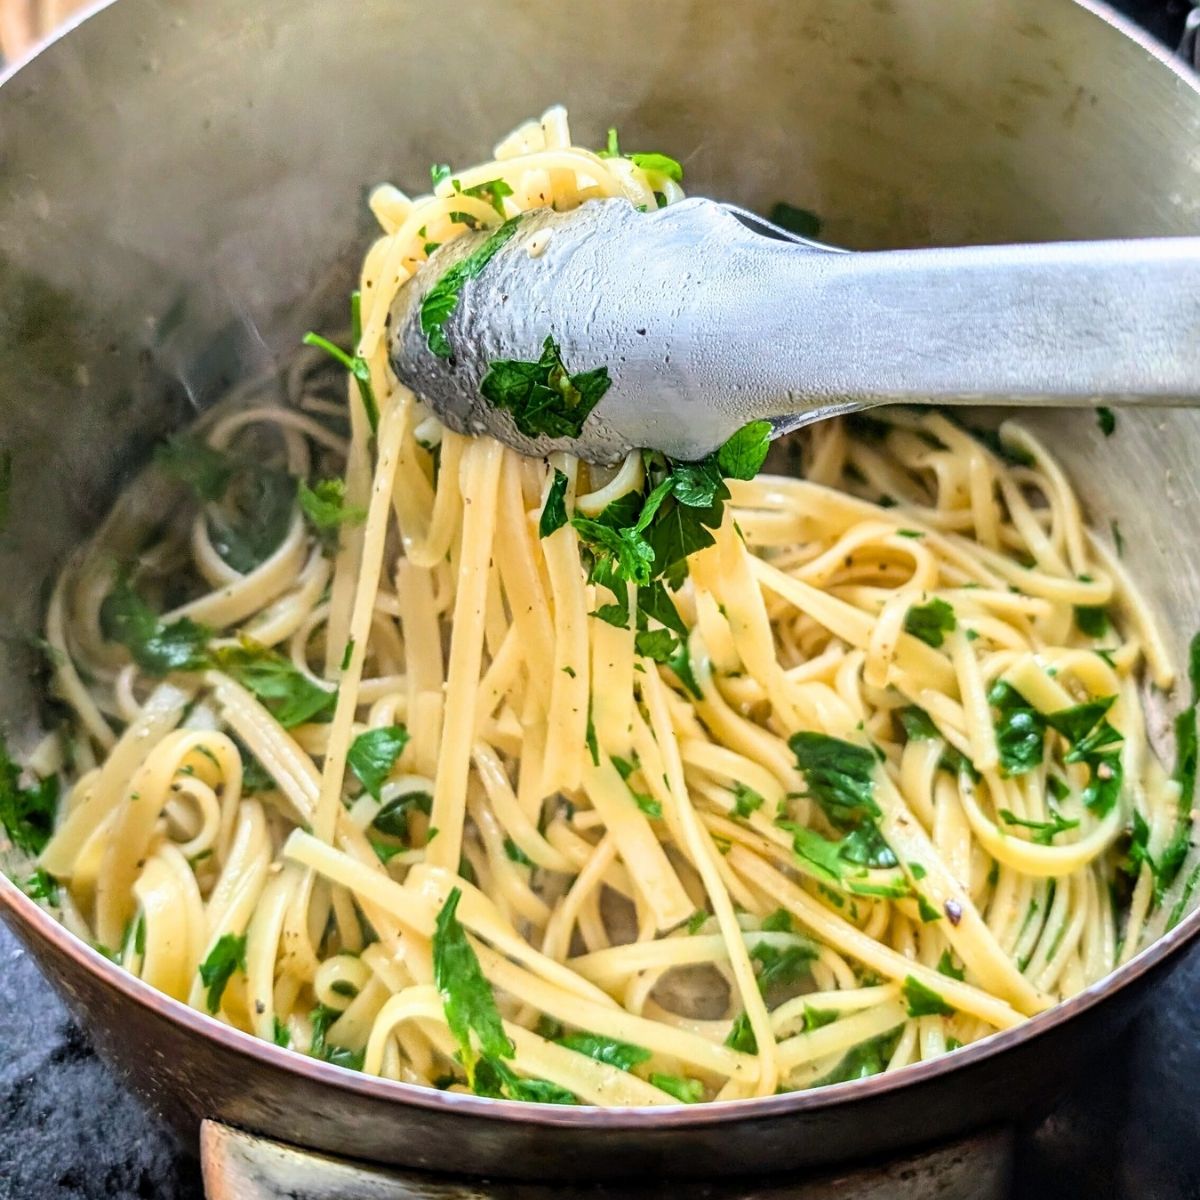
(182, 196)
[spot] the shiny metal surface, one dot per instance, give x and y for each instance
(704, 326)
(240, 1166)
(181, 198)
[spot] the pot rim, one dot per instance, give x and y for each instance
(42, 924)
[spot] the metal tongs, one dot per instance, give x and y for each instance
(705, 324)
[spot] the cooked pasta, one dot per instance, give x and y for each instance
(372, 751)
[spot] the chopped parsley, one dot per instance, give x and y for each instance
(514, 853)
(742, 456)
(393, 817)
(697, 921)
(781, 966)
(924, 1001)
(741, 1035)
(227, 956)
(157, 648)
(354, 363)
(1020, 730)
(554, 511)
(746, 800)
(27, 813)
(1107, 420)
(1092, 620)
(780, 921)
(1044, 832)
(289, 695)
(543, 397)
(442, 299)
(685, 1090)
(868, 1058)
(606, 1050)
(41, 885)
(470, 1007)
(1170, 860)
(930, 622)
(324, 507)
(840, 778)
(840, 775)
(373, 754)
(280, 1034)
(192, 461)
(658, 164)
(946, 967)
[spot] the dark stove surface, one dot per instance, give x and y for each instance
(69, 1129)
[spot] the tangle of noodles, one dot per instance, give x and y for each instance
(666, 898)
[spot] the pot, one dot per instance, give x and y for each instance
(183, 197)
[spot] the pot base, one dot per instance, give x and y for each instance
(242, 1166)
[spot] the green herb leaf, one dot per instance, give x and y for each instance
(27, 813)
(325, 508)
(543, 397)
(281, 1035)
(741, 1036)
(1044, 832)
(818, 1018)
(741, 457)
(492, 192)
(795, 220)
(514, 853)
(554, 511)
(498, 1079)
(254, 517)
(869, 1058)
(358, 366)
(917, 724)
(697, 921)
(291, 697)
(157, 648)
(687, 1091)
(781, 967)
(946, 967)
(192, 461)
(1020, 730)
(442, 299)
(780, 921)
(612, 147)
(1092, 621)
(659, 164)
(227, 956)
(373, 754)
(924, 1001)
(41, 885)
(930, 622)
(438, 172)
(840, 775)
(1107, 420)
(926, 911)
(392, 819)
(606, 1050)
(466, 995)
(746, 800)
(817, 851)
(656, 644)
